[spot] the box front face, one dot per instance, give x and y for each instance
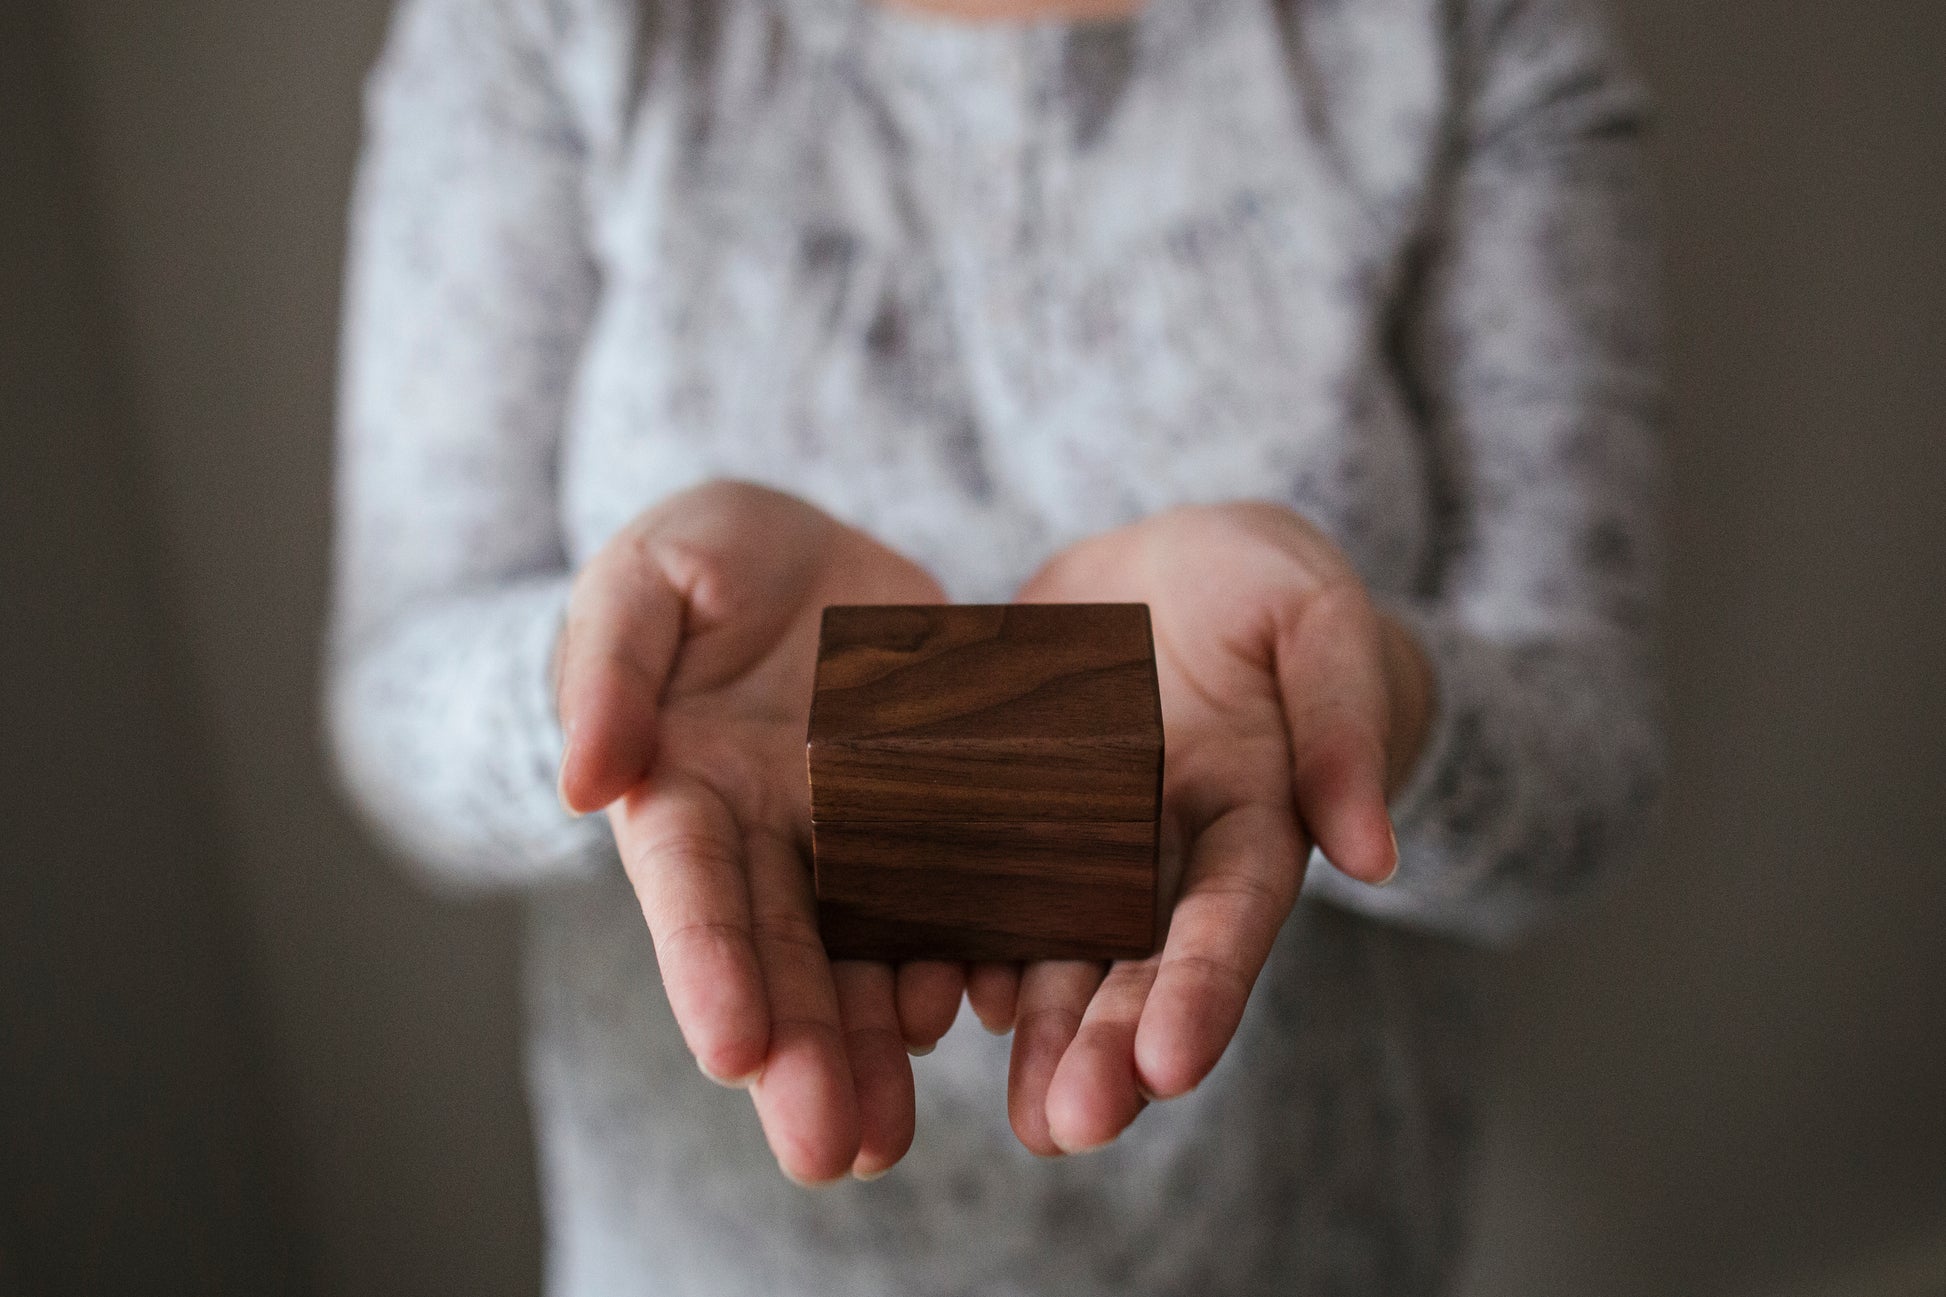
(982, 890)
(985, 782)
(1057, 781)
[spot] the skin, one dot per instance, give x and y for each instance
(684, 683)
(1292, 705)
(1293, 708)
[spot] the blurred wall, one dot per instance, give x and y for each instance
(1731, 1080)
(218, 138)
(138, 1145)
(1735, 1079)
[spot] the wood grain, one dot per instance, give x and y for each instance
(1025, 890)
(985, 781)
(1027, 711)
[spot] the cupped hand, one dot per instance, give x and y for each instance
(684, 684)
(1291, 707)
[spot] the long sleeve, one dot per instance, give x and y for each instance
(469, 288)
(1529, 341)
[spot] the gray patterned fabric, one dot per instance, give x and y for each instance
(983, 290)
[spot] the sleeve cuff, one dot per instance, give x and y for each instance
(542, 827)
(446, 738)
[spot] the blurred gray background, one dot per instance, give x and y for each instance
(240, 1052)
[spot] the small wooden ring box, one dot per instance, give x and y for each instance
(986, 781)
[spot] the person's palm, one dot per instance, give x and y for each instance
(1281, 689)
(685, 685)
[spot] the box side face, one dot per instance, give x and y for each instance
(986, 891)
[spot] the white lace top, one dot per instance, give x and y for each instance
(983, 290)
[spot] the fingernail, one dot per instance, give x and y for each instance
(561, 782)
(728, 1083)
(1153, 1097)
(869, 1176)
(920, 1051)
(801, 1182)
(1391, 873)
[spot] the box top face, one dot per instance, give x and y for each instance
(991, 673)
(1031, 711)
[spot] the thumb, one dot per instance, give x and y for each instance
(617, 647)
(1331, 680)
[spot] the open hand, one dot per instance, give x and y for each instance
(685, 675)
(1291, 707)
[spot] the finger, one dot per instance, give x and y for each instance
(1095, 1094)
(683, 853)
(1241, 881)
(617, 646)
(881, 1072)
(1331, 677)
(992, 989)
(1053, 996)
(805, 1094)
(928, 997)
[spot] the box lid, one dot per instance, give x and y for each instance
(986, 712)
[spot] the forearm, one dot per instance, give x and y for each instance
(469, 291)
(1530, 342)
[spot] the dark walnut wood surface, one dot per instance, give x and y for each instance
(1006, 712)
(985, 781)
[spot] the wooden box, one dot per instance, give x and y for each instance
(986, 781)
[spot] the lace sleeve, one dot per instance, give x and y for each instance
(1531, 342)
(469, 288)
